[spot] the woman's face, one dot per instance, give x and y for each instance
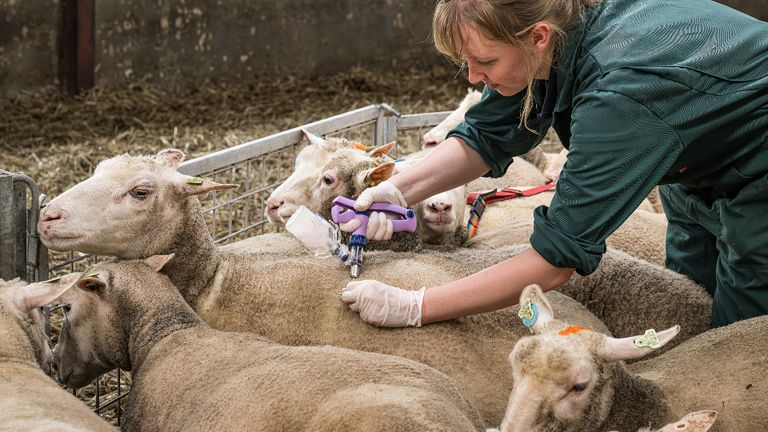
(498, 64)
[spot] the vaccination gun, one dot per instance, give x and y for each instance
(343, 211)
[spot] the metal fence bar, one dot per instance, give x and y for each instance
(7, 227)
(263, 146)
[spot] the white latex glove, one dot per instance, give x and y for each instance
(384, 305)
(379, 226)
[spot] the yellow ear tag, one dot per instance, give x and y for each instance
(53, 279)
(528, 313)
(197, 181)
(92, 274)
(649, 339)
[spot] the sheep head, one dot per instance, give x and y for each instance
(130, 207)
(563, 374)
(20, 303)
(324, 170)
(95, 336)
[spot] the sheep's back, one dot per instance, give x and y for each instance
(260, 294)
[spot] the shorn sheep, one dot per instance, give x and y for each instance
(31, 401)
(125, 314)
(135, 207)
(569, 378)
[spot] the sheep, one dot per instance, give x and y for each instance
(569, 378)
(328, 168)
(31, 400)
(292, 299)
(437, 134)
(142, 324)
(642, 235)
(698, 421)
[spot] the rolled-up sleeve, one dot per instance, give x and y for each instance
(619, 150)
(490, 127)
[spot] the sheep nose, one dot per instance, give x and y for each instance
(49, 214)
(274, 204)
(440, 207)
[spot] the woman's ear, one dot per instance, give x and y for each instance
(541, 36)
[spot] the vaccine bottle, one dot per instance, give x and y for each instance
(318, 235)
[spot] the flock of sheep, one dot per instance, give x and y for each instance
(260, 328)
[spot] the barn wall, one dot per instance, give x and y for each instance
(183, 42)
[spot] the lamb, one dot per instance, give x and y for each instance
(570, 378)
(293, 299)
(31, 401)
(145, 326)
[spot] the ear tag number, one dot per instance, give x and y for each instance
(528, 313)
(197, 181)
(649, 339)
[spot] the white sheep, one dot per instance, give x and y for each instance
(697, 421)
(437, 134)
(573, 379)
(642, 235)
(31, 401)
(188, 376)
(291, 299)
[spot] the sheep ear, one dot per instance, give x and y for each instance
(698, 421)
(157, 262)
(535, 307)
(38, 294)
(314, 139)
(93, 281)
(634, 347)
(377, 175)
(381, 150)
(170, 157)
(199, 185)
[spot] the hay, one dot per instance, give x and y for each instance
(57, 140)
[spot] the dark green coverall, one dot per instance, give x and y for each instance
(669, 92)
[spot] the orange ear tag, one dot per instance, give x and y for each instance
(359, 146)
(571, 330)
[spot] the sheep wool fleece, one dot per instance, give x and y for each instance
(647, 93)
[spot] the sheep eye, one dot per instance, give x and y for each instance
(578, 388)
(140, 194)
(328, 180)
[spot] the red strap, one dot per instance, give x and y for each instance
(509, 193)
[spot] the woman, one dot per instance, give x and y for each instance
(669, 92)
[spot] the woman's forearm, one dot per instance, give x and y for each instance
(451, 164)
(493, 288)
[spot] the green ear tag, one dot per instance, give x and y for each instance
(53, 279)
(197, 181)
(649, 339)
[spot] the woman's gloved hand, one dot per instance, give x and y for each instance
(379, 226)
(384, 305)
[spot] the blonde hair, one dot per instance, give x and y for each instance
(507, 21)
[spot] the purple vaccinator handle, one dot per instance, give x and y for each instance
(343, 210)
